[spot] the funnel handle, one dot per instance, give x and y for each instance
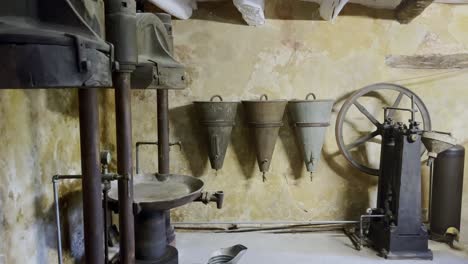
(310, 94)
(216, 96)
(264, 96)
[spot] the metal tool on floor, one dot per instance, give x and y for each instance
(396, 229)
(310, 119)
(230, 255)
(218, 118)
(265, 118)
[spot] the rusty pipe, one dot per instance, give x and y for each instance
(163, 131)
(124, 165)
(208, 197)
(162, 105)
(91, 180)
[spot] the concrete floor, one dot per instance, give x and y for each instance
(333, 248)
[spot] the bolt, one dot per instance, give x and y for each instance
(413, 137)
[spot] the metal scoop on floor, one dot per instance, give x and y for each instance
(230, 255)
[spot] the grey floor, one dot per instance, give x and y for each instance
(333, 248)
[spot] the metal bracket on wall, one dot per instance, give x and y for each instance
(154, 143)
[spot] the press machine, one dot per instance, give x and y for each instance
(395, 228)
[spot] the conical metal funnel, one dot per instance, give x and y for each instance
(310, 120)
(218, 117)
(437, 142)
(265, 117)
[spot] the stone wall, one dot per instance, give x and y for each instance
(293, 54)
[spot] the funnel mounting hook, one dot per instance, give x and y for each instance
(309, 95)
(216, 96)
(264, 97)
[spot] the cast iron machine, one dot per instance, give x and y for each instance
(395, 229)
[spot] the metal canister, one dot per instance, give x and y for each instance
(447, 193)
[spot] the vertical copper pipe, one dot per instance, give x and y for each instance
(163, 148)
(124, 165)
(91, 183)
(163, 131)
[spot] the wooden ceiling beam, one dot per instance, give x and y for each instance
(410, 9)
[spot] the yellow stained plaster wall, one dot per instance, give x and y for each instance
(293, 54)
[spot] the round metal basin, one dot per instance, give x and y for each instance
(162, 192)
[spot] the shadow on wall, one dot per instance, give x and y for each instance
(187, 129)
(62, 101)
(71, 216)
(243, 145)
(42, 217)
(292, 145)
(226, 12)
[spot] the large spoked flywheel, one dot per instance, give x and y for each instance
(358, 102)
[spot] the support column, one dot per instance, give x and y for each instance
(91, 181)
(123, 120)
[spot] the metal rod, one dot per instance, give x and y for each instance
(57, 221)
(124, 165)
(269, 222)
(431, 177)
(162, 105)
(91, 180)
(163, 131)
(106, 229)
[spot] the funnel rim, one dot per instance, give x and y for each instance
(310, 101)
(216, 102)
(265, 101)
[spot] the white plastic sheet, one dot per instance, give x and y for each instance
(181, 9)
(252, 11)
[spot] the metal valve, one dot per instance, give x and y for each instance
(207, 197)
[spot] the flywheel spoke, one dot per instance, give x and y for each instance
(369, 116)
(362, 140)
(397, 102)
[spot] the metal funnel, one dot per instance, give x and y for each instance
(310, 120)
(218, 117)
(437, 142)
(265, 119)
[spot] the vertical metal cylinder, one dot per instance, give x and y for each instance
(121, 31)
(57, 221)
(125, 166)
(163, 131)
(150, 235)
(447, 190)
(163, 148)
(91, 181)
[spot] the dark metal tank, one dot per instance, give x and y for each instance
(447, 192)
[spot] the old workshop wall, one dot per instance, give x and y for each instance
(288, 57)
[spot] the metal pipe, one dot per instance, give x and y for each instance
(91, 180)
(124, 165)
(163, 131)
(163, 148)
(57, 222)
(431, 178)
(105, 193)
(269, 222)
